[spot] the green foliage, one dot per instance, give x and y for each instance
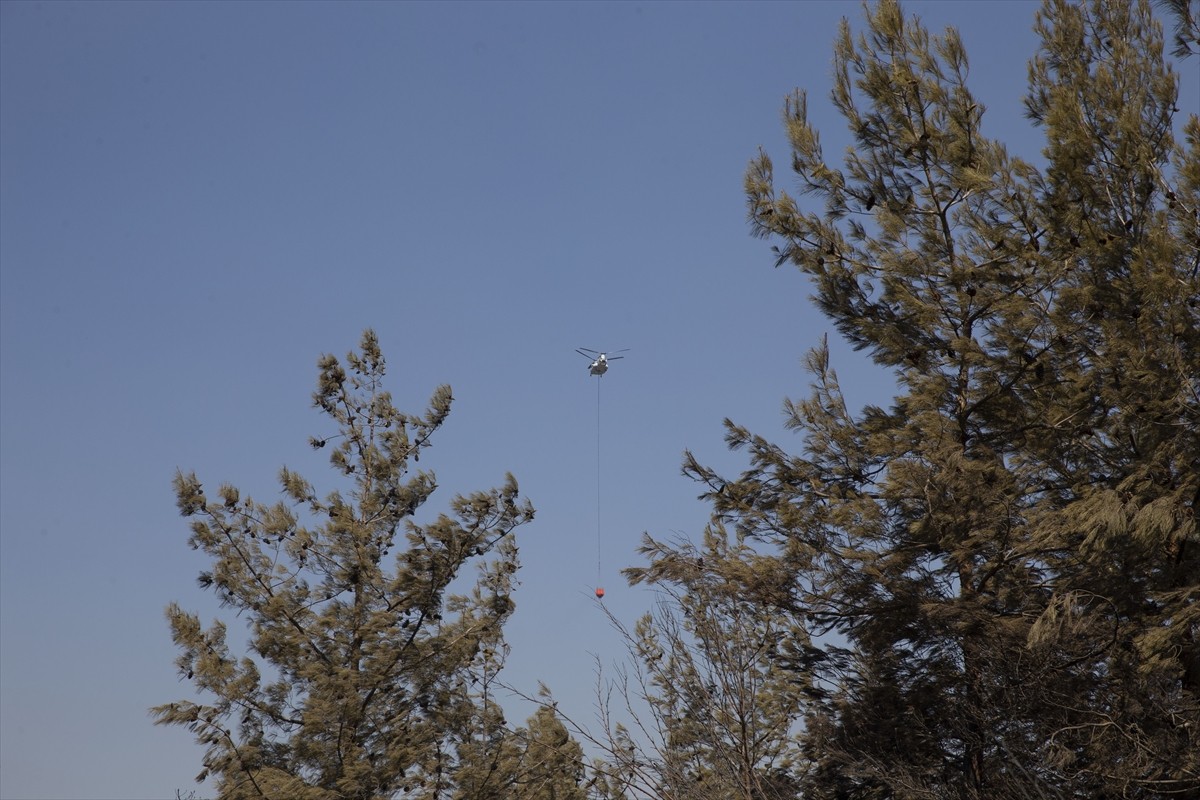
(707, 713)
(1185, 18)
(366, 676)
(999, 574)
(539, 762)
(710, 656)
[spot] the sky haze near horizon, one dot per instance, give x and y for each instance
(198, 199)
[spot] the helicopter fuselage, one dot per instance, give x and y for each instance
(599, 361)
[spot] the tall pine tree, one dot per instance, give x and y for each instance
(1000, 573)
(371, 658)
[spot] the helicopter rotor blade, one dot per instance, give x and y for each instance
(583, 351)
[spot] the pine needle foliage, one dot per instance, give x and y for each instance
(371, 658)
(1185, 19)
(724, 713)
(539, 762)
(999, 573)
(701, 712)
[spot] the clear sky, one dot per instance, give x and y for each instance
(198, 199)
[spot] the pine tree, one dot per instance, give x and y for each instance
(727, 714)
(538, 762)
(552, 765)
(703, 713)
(1000, 573)
(366, 671)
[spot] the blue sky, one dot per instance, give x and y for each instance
(198, 199)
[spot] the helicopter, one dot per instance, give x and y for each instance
(599, 360)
